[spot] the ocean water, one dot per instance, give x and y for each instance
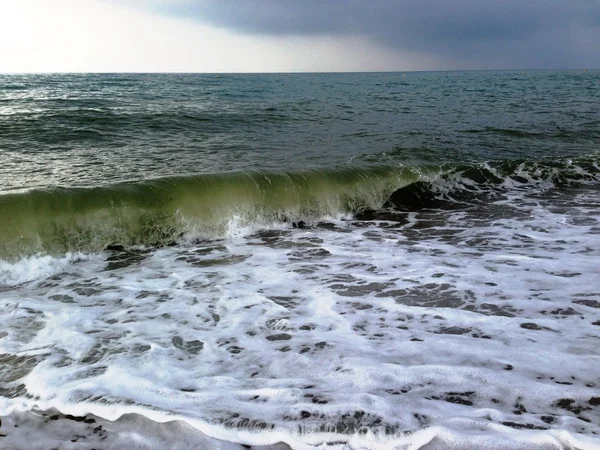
(325, 260)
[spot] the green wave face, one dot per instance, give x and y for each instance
(162, 211)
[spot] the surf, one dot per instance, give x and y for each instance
(168, 210)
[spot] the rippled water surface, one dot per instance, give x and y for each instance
(82, 130)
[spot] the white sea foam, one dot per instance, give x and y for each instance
(438, 329)
(35, 268)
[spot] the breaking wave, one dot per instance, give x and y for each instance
(163, 211)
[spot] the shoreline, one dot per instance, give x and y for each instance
(45, 429)
(37, 429)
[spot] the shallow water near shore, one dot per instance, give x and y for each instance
(346, 296)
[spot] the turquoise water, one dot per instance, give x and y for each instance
(343, 259)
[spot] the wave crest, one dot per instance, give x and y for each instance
(165, 210)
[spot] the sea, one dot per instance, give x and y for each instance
(332, 261)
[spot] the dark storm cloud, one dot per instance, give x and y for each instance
(475, 33)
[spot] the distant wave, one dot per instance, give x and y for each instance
(588, 131)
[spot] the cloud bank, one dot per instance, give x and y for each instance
(298, 35)
(460, 33)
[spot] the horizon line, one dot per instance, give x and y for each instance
(299, 72)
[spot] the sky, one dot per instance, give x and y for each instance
(299, 35)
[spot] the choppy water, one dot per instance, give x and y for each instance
(347, 258)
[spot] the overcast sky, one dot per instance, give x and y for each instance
(296, 35)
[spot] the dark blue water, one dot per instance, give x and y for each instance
(85, 130)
